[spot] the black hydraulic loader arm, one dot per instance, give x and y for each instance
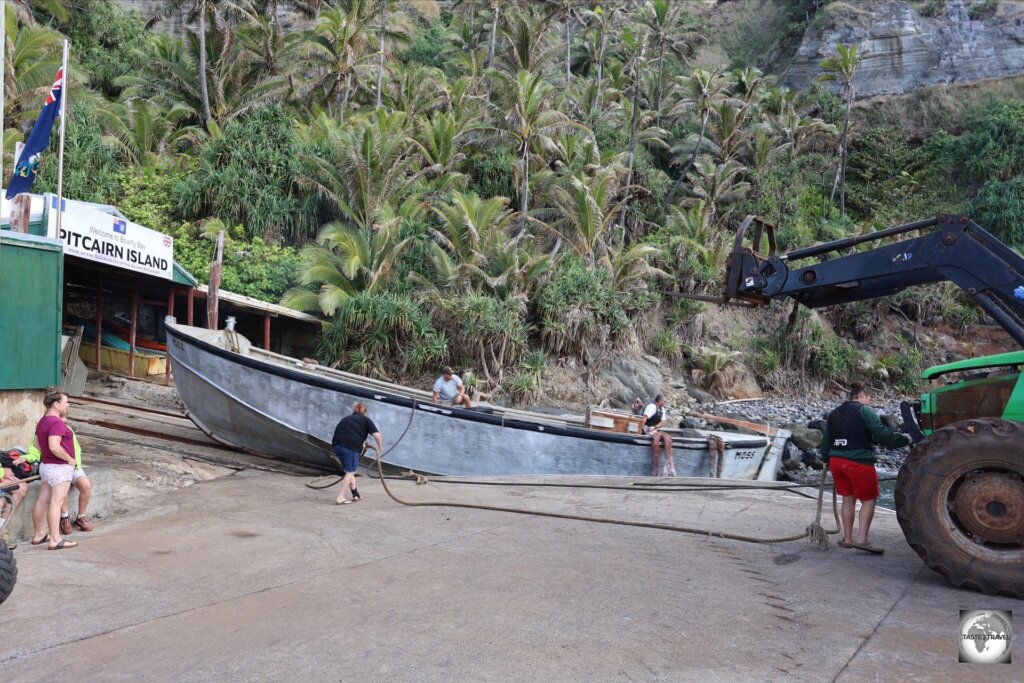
(950, 248)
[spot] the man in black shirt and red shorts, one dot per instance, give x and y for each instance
(848, 446)
(348, 440)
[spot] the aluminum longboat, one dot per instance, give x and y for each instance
(267, 403)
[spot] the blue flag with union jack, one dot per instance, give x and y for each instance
(38, 141)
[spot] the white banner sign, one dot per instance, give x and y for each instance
(92, 234)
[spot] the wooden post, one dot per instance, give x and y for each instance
(266, 331)
(135, 325)
(188, 313)
(21, 207)
(167, 356)
(99, 323)
(211, 297)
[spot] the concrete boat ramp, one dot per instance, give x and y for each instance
(254, 576)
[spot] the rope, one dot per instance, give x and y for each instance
(420, 480)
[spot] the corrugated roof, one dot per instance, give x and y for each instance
(255, 304)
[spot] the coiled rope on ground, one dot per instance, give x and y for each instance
(814, 532)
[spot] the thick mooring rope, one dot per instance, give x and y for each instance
(811, 533)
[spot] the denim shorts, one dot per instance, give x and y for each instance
(349, 459)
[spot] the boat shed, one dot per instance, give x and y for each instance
(274, 327)
(119, 281)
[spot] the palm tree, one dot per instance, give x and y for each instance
(602, 22)
(169, 77)
(439, 142)
(58, 9)
(367, 167)
(143, 132)
(470, 230)
(587, 210)
(385, 32)
(636, 46)
(668, 31)
(33, 56)
(201, 11)
(842, 67)
(529, 122)
(345, 261)
(567, 11)
(495, 14)
(270, 50)
(719, 186)
(701, 91)
(338, 55)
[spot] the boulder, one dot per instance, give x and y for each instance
(804, 437)
(811, 458)
(820, 425)
(791, 452)
(698, 394)
(631, 377)
(735, 380)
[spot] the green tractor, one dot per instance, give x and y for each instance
(960, 493)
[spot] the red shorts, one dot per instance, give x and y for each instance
(853, 478)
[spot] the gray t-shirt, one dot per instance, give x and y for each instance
(447, 391)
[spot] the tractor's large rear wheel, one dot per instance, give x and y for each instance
(8, 572)
(960, 501)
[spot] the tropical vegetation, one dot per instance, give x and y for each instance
(499, 185)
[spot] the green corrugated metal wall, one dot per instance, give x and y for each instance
(31, 290)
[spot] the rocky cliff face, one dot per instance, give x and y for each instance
(905, 51)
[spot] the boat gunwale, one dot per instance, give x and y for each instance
(312, 377)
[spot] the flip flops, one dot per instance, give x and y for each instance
(64, 544)
(44, 539)
(844, 544)
(869, 548)
(343, 502)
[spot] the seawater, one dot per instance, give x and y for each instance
(886, 490)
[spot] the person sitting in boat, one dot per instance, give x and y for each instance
(656, 419)
(449, 389)
(638, 406)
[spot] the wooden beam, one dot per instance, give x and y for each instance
(189, 308)
(135, 325)
(99, 322)
(167, 356)
(266, 332)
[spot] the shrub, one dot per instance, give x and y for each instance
(382, 336)
(999, 208)
(244, 176)
(484, 331)
(428, 47)
(580, 312)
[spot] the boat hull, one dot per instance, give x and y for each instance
(280, 408)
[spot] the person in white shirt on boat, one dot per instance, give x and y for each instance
(656, 419)
(449, 389)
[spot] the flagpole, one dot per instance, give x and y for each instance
(63, 115)
(3, 65)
